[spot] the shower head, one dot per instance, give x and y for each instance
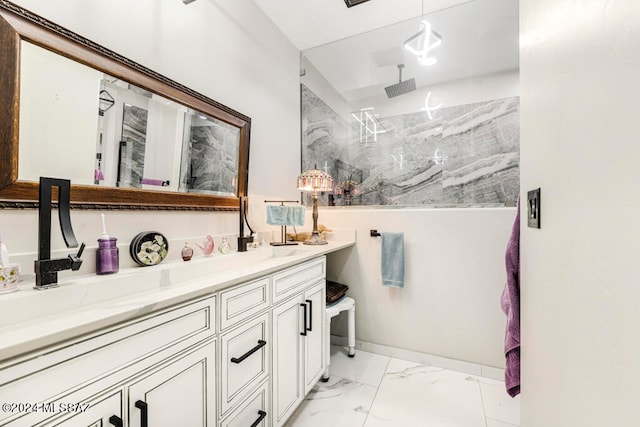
(401, 87)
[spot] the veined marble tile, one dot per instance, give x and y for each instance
(498, 405)
(467, 154)
(365, 367)
(337, 403)
(134, 134)
(324, 133)
(416, 395)
(214, 157)
(482, 146)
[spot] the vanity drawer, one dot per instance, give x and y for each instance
(254, 408)
(242, 302)
(244, 360)
(107, 356)
(292, 280)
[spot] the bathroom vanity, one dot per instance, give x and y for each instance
(228, 340)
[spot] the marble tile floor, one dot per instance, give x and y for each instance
(371, 390)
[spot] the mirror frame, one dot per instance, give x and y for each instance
(18, 24)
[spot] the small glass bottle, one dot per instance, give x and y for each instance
(107, 256)
(187, 252)
(224, 246)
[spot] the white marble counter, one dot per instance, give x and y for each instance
(32, 319)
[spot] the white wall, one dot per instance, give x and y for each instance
(454, 274)
(227, 50)
(580, 68)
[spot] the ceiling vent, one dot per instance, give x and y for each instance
(354, 2)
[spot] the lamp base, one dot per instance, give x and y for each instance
(315, 239)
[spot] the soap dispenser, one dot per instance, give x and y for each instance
(107, 254)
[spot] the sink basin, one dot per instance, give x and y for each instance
(286, 251)
(77, 292)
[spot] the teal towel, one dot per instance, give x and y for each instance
(393, 259)
(285, 215)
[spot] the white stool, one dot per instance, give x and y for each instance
(345, 303)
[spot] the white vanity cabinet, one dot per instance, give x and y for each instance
(245, 355)
(298, 331)
(162, 357)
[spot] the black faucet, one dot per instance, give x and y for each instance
(46, 269)
(243, 240)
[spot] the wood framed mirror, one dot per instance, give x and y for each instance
(22, 31)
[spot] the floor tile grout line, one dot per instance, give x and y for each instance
(484, 410)
(377, 391)
(486, 417)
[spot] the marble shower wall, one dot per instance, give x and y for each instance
(463, 155)
(132, 146)
(210, 157)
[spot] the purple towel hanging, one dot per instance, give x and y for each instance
(149, 181)
(510, 302)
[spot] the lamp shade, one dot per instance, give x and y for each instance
(315, 179)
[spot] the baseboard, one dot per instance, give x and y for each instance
(425, 358)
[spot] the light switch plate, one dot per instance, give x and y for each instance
(533, 208)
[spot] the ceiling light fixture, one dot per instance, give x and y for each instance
(369, 126)
(428, 108)
(424, 41)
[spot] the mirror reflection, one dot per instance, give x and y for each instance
(96, 129)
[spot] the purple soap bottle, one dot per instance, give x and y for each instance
(107, 254)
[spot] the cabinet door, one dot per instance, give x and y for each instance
(287, 378)
(181, 393)
(314, 340)
(101, 412)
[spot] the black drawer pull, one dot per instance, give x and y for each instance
(310, 328)
(261, 344)
(115, 420)
(144, 412)
(260, 418)
(304, 326)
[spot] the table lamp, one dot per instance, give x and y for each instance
(315, 180)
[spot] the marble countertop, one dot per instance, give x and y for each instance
(32, 319)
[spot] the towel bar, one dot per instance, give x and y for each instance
(374, 233)
(283, 228)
